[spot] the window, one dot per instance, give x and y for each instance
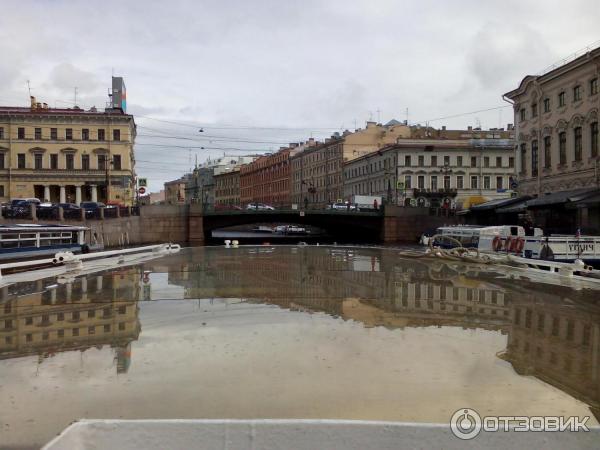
(1, 132)
(547, 152)
(577, 93)
(69, 134)
(433, 161)
(562, 148)
(561, 99)
(2, 161)
(577, 141)
(61, 333)
(593, 86)
(70, 161)
(474, 182)
(473, 161)
(38, 133)
(85, 134)
(447, 182)
(421, 160)
(446, 160)
(434, 184)
(53, 134)
(21, 160)
(487, 182)
(511, 161)
(37, 158)
(92, 330)
(101, 162)
(499, 183)
(534, 110)
(407, 182)
(546, 105)
(75, 331)
(522, 112)
(407, 162)
(54, 161)
(594, 139)
(459, 161)
(117, 162)
(91, 313)
(116, 135)
(524, 158)
(85, 162)
(459, 182)
(421, 182)
(121, 326)
(21, 133)
(498, 161)
(107, 328)
(101, 134)
(486, 161)
(534, 158)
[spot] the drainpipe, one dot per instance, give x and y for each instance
(516, 125)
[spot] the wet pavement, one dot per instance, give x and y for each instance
(292, 332)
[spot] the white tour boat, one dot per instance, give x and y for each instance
(22, 241)
(511, 239)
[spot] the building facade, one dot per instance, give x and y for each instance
(66, 155)
(267, 179)
(435, 172)
(175, 191)
(227, 188)
(317, 170)
(556, 116)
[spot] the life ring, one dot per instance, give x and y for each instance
(519, 245)
(497, 244)
(508, 244)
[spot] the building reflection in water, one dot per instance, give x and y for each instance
(553, 333)
(45, 318)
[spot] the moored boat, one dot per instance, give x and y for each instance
(23, 241)
(513, 239)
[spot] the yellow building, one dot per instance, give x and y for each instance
(66, 155)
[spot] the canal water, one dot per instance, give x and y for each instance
(293, 332)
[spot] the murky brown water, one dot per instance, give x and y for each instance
(309, 332)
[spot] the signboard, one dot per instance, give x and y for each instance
(301, 213)
(142, 190)
(142, 182)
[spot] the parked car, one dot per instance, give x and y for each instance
(260, 207)
(20, 207)
(92, 209)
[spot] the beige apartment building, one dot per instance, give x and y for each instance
(453, 173)
(66, 155)
(175, 191)
(556, 116)
(317, 170)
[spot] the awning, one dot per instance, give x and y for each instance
(593, 200)
(498, 203)
(557, 198)
(472, 201)
(517, 207)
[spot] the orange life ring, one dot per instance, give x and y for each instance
(508, 244)
(520, 244)
(497, 244)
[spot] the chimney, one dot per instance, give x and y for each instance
(293, 144)
(509, 127)
(470, 128)
(45, 105)
(38, 105)
(371, 124)
(32, 100)
(443, 127)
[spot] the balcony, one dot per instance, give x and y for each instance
(442, 192)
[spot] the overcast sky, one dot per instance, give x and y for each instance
(300, 68)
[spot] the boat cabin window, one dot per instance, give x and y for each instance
(514, 231)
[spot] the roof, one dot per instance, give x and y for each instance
(22, 110)
(517, 207)
(591, 200)
(498, 203)
(562, 197)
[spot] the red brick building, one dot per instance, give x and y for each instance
(267, 180)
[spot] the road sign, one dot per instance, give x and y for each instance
(142, 190)
(142, 182)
